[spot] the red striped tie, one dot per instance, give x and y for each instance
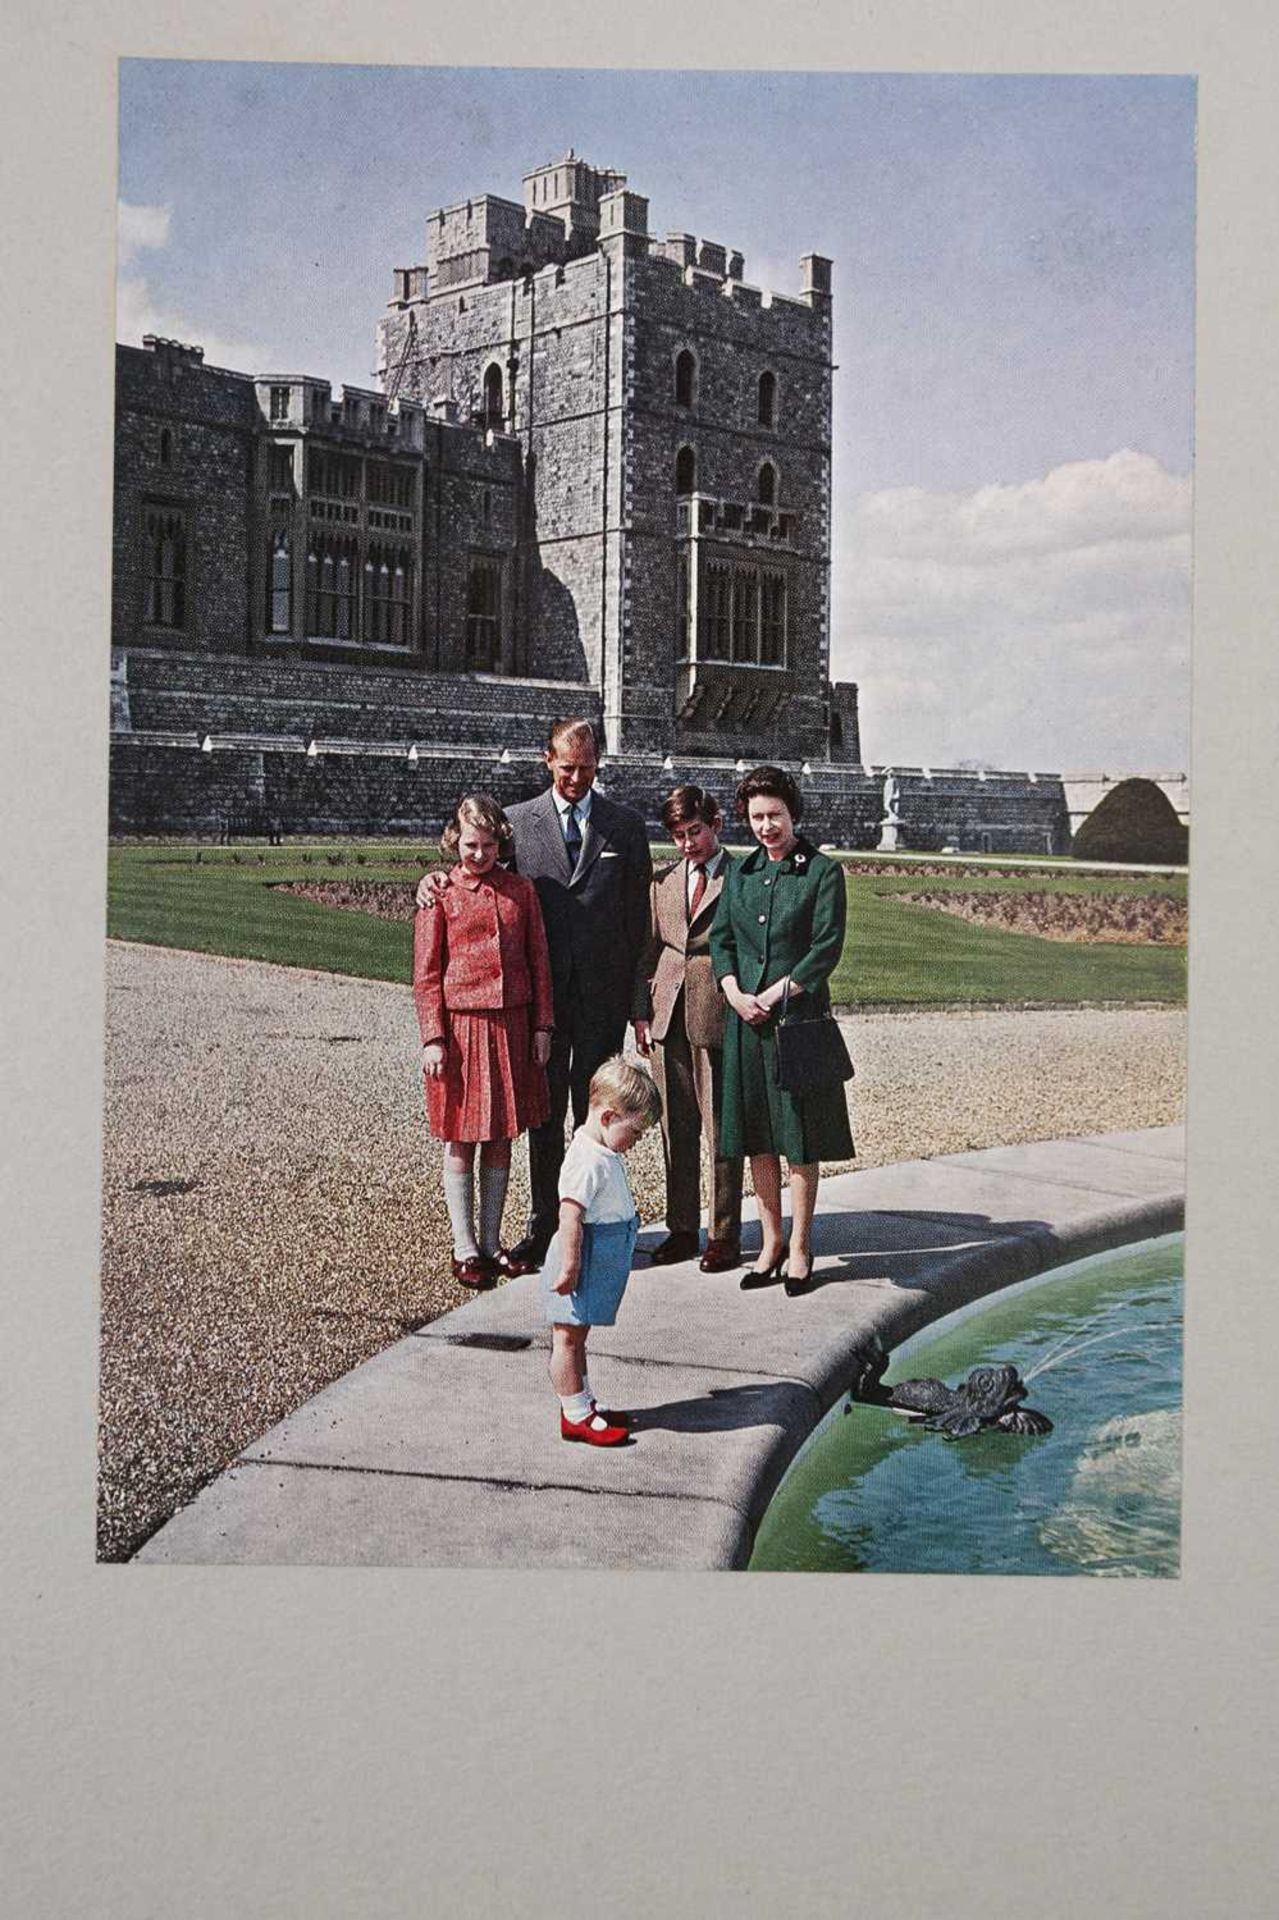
(699, 889)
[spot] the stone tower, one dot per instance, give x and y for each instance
(674, 431)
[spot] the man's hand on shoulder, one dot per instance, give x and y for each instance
(430, 888)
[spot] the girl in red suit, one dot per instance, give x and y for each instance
(482, 987)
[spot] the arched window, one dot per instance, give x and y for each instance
(768, 485)
(685, 378)
(280, 592)
(330, 588)
(345, 596)
(493, 406)
(166, 560)
(166, 447)
(685, 471)
(484, 614)
(768, 400)
(400, 581)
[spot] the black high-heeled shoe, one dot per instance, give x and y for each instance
(764, 1276)
(795, 1284)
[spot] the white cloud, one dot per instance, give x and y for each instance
(140, 310)
(140, 229)
(1045, 624)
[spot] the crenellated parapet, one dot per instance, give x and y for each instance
(303, 404)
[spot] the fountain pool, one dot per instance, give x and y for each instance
(1099, 1346)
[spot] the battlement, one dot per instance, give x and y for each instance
(570, 191)
(173, 349)
(571, 209)
(300, 402)
(489, 239)
(739, 521)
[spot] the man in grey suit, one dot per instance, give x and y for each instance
(588, 858)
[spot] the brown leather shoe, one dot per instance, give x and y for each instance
(475, 1272)
(675, 1247)
(721, 1256)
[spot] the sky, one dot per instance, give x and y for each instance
(1014, 308)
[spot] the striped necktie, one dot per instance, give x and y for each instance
(572, 838)
(699, 890)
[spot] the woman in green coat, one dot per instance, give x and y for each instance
(780, 918)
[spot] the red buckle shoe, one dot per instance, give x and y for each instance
(607, 1436)
(616, 1416)
(510, 1265)
(475, 1272)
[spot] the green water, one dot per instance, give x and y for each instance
(1100, 1494)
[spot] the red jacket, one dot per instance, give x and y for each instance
(480, 946)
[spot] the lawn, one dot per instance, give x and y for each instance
(222, 900)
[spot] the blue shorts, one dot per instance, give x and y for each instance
(607, 1250)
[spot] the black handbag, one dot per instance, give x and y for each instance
(808, 1054)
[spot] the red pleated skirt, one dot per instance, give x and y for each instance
(491, 1088)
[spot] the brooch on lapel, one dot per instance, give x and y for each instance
(801, 860)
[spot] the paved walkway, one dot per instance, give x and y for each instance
(444, 1449)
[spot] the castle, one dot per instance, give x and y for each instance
(595, 477)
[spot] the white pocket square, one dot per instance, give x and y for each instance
(608, 853)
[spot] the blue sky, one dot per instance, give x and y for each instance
(1014, 330)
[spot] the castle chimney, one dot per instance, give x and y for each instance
(816, 284)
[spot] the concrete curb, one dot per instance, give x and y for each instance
(444, 1450)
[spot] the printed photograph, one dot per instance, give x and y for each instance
(649, 814)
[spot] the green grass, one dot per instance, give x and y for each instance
(220, 900)
(898, 955)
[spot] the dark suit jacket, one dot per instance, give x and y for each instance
(596, 918)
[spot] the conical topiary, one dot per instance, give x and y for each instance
(1135, 821)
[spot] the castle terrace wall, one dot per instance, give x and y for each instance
(291, 701)
(165, 784)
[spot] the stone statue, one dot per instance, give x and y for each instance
(890, 826)
(989, 1397)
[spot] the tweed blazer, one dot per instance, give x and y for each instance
(479, 944)
(677, 958)
(596, 915)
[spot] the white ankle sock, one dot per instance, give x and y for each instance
(576, 1406)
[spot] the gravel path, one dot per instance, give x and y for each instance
(272, 1211)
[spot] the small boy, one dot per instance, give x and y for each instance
(589, 1258)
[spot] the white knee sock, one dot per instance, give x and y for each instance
(492, 1200)
(459, 1197)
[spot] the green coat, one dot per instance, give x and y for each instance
(778, 917)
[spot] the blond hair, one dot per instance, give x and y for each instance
(478, 810)
(627, 1089)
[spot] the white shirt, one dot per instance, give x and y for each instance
(595, 1176)
(563, 808)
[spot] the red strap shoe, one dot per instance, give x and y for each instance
(615, 1416)
(475, 1272)
(606, 1436)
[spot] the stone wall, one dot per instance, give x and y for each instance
(303, 701)
(184, 441)
(161, 785)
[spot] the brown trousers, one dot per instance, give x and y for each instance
(688, 1079)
